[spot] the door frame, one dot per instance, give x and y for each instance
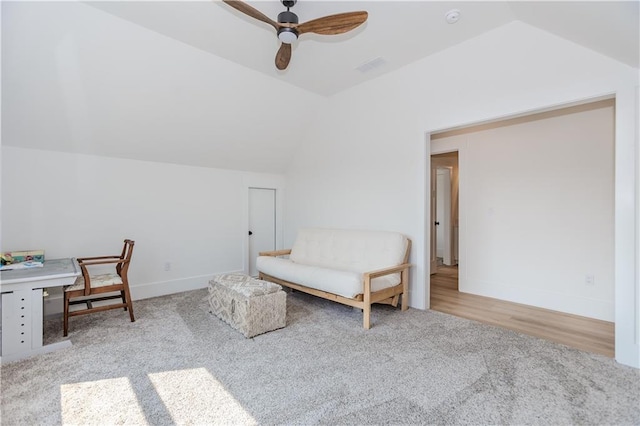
(626, 196)
(431, 238)
(433, 208)
(261, 182)
(270, 201)
(447, 225)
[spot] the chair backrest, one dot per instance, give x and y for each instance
(127, 251)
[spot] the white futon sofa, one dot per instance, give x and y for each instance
(353, 267)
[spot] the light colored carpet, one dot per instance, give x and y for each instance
(177, 364)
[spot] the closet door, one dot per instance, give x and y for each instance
(262, 224)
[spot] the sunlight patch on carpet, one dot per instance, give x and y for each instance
(110, 401)
(196, 394)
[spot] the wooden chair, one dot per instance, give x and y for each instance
(89, 285)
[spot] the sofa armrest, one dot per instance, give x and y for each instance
(275, 253)
(403, 269)
(387, 271)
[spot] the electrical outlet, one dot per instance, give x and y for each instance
(589, 279)
(167, 266)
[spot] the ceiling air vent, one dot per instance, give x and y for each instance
(371, 64)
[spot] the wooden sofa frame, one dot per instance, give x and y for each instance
(389, 296)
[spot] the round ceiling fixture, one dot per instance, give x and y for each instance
(452, 16)
(287, 35)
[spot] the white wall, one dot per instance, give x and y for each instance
(75, 205)
(538, 212)
(364, 164)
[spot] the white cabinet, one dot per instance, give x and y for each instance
(21, 321)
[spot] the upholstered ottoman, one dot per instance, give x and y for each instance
(249, 305)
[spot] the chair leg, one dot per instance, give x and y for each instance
(65, 320)
(124, 300)
(129, 303)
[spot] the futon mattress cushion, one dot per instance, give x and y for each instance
(343, 283)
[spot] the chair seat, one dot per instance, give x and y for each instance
(100, 280)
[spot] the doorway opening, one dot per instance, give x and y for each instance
(522, 187)
(445, 221)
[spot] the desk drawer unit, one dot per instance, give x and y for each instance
(21, 321)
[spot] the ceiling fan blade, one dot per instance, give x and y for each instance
(250, 11)
(333, 24)
(283, 56)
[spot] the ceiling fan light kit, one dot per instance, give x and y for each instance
(287, 34)
(288, 28)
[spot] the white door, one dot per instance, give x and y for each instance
(444, 215)
(433, 216)
(262, 224)
(439, 213)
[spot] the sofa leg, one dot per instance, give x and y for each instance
(405, 289)
(366, 317)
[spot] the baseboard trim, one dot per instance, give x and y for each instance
(569, 303)
(53, 303)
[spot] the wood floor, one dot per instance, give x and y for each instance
(578, 332)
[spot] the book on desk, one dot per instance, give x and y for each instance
(10, 260)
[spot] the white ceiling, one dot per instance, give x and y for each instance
(400, 32)
(194, 82)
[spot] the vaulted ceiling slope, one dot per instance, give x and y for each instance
(76, 79)
(194, 82)
(399, 32)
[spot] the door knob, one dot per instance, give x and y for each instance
(250, 233)
(437, 223)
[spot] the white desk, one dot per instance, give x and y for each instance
(22, 306)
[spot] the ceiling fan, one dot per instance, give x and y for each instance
(289, 29)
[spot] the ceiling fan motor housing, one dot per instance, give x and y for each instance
(286, 34)
(287, 17)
